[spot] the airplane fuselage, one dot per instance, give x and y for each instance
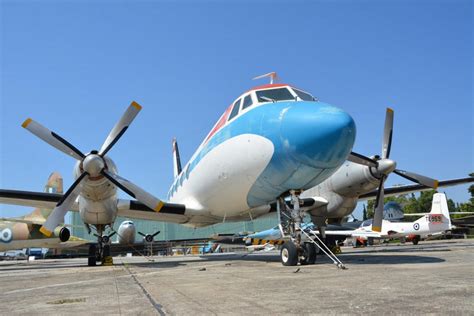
(267, 150)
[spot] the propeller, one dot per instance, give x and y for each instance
(148, 237)
(382, 166)
(93, 166)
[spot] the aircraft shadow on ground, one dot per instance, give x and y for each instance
(386, 259)
(345, 258)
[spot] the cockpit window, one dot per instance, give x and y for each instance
(247, 102)
(272, 95)
(303, 95)
(367, 223)
(235, 110)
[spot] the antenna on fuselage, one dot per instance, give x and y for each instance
(273, 77)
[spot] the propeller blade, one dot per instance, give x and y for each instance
(378, 214)
(362, 160)
(57, 215)
(141, 234)
(134, 191)
(120, 128)
(387, 134)
(155, 233)
(429, 182)
(52, 138)
(112, 234)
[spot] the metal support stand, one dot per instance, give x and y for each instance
(322, 246)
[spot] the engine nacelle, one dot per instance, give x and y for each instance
(62, 233)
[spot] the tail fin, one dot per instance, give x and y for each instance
(176, 160)
(53, 185)
(439, 213)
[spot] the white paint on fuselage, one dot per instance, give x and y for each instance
(220, 183)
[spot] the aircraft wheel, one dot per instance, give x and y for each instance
(289, 254)
(370, 241)
(415, 240)
(91, 260)
(106, 251)
(309, 250)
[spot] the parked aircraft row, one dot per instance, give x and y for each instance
(275, 148)
(436, 221)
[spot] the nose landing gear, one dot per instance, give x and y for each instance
(100, 251)
(302, 246)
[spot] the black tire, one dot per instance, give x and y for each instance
(289, 254)
(309, 253)
(370, 241)
(106, 251)
(91, 260)
(415, 240)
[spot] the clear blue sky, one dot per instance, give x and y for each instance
(75, 66)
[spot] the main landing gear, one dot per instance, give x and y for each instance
(100, 251)
(302, 246)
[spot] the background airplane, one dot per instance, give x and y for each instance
(24, 232)
(436, 221)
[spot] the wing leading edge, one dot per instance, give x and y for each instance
(170, 212)
(414, 188)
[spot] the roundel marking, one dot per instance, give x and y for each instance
(416, 226)
(6, 235)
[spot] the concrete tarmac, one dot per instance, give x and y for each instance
(435, 277)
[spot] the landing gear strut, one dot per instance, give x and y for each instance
(100, 252)
(291, 218)
(302, 245)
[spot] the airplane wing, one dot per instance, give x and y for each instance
(21, 220)
(170, 212)
(414, 188)
(33, 199)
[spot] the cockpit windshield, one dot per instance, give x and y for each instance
(366, 223)
(273, 95)
(303, 95)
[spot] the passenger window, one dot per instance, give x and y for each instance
(235, 110)
(247, 102)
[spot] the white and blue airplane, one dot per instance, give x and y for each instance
(272, 142)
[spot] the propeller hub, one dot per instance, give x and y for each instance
(386, 166)
(93, 164)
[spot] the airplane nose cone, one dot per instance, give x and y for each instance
(317, 134)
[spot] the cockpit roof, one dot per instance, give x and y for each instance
(270, 85)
